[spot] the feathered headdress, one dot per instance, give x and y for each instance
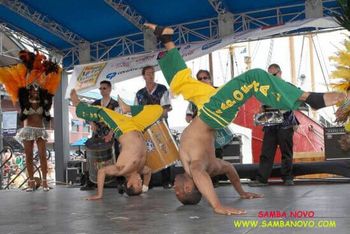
(34, 68)
(342, 72)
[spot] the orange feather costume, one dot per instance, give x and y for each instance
(33, 70)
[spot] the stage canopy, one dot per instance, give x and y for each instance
(95, 30)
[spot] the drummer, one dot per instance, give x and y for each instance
(277, 135)
(132, 158)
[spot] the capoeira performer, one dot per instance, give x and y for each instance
(217, 108)
(128, 130)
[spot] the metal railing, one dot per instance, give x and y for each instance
(11, 180)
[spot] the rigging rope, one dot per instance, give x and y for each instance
(269, 56)
(301, 59)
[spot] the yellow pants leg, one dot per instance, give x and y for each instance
(179, 78)
(191, 89)
(149, 115)
(120, 123)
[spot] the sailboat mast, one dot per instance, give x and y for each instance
(312, 69)
(231, 51)
(211, 70)
(292, 60)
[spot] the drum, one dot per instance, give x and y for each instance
(268, 118)
(162, 150)
(99, 154)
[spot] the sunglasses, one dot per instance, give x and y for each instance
(275, 74)
(203, 78)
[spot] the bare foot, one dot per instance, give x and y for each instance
(333, 98)
(166, 31)
(95, 197)
(150, 26)
(74, 97)
(167, 42)
(224, 210)
(248, 195)
(123, 106)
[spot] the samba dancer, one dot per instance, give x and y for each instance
(33, 83)
(128, 130)
(217, 108)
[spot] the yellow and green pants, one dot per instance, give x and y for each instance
(218, 107)
(142, 117)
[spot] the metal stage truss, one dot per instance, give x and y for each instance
(191, 31)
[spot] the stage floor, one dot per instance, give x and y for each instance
(64, 210)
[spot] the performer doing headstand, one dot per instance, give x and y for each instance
(132, 157)
(217, 108)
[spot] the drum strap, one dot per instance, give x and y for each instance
(315, 100)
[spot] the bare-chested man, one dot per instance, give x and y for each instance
(217, 108)
(132, 157)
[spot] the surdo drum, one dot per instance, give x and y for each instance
(161, 148)
(99, 154)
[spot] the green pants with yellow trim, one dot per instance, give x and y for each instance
(142, 117)
(218, 107)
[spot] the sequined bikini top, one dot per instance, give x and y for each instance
(31, 111)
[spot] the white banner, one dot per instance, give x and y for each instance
(88, 76)
(9, 123)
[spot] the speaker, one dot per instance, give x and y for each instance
(232, 152)
(333, 150)
(157, 178)
(73, 175)
(74, 163)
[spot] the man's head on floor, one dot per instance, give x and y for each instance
(133, 185)
(186, 191)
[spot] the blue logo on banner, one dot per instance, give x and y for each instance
(111, 75)
(211, 44)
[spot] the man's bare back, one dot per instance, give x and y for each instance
(132, 157)
(192, 147)
(133, 152)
